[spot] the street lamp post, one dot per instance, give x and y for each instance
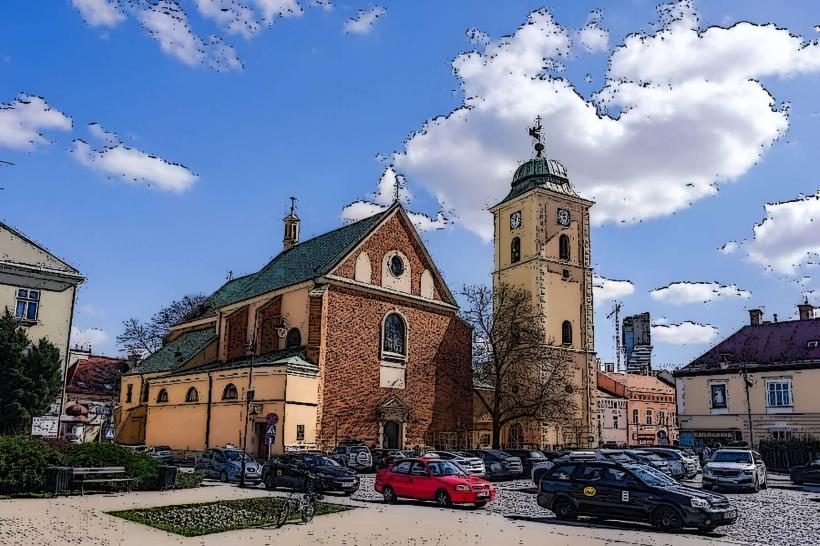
(249, 395)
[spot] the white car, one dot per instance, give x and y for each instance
(473, 466)
(735, 468)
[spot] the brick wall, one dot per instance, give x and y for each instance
(268, 320)
(237, 336)
(438, 368)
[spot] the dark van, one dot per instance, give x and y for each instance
(630, 492)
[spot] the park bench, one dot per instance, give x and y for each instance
(100, 475)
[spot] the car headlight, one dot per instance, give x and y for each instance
(462, 487)
(699, 503)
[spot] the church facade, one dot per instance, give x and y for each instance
(542, 245)
(350, 335)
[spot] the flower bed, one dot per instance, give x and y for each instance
(192, 520)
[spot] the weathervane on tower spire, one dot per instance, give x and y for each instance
(535, 133)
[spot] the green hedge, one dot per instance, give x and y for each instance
(143, 468)
(189, 480)
(23, 460)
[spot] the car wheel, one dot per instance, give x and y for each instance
(756, 486)
(797, 480)
(565, 509)
(270, 483)
(223, 476)
(667, 519)
(389, 495)
(765, 484)
(443, 499)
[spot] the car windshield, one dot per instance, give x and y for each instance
(358, 449)
(444, 468)
(237, 456)
(619, 457)
(731, 457)
(162, 448)
(652, 477)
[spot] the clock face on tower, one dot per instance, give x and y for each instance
(563, 217)
(515, 220)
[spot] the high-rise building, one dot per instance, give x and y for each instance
(636, 337)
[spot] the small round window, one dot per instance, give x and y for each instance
(396, 266)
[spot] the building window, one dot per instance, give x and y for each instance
(718, 395)
(563, 247)
(162, 396)
(515, 250)
(649, 417)
(635, 416)
(566, 333)
(28, 304)
(779, 393)
(230, 392)
(192, 396)
(394, 335)
(615, 423)
(129, 392)
(144, 398)
(661, 417)
(294, 339)
(300, 433)
(396, 266)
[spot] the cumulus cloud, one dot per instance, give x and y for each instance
(730, 247)
(235, 17)
(133, 165)
(384, 196)
(681, 111)
(364, 20)
(22, 120)
(99, 132)
(680, 293)
(591, 36)
(788, 237)
(99, 13)
(88, 336)
(604, 289)
(684, 333)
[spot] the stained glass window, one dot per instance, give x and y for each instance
(394, 334)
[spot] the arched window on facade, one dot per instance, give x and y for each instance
(230, 392)
(515, 250)
(566, 333)
(162, 396)
(649, 417)
(192, 396)
(394, 336)
(635, 416)
(294, 338)
(563, 247)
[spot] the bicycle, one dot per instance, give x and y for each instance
(306, 505)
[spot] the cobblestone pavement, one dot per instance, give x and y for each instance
(775, 516)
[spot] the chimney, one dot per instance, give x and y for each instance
(755, 316)
(805, 310)
(292, 225)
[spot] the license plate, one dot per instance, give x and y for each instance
(482, 494)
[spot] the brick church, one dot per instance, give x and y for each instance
(350, 335)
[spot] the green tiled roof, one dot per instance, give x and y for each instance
(166, 358)
(295, 358)
(308, 260)
(540, 172)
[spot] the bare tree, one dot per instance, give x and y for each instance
(142, 339)
(517, 372)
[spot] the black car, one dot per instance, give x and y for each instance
(630, 492)
(809, 473)
(529, 457)
(292, 470)
(382, 458)
(498, 465)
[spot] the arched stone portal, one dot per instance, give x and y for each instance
(393, 414)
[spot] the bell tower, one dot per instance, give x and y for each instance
(542, 245)
(292, 225)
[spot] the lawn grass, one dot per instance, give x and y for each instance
(193, 520)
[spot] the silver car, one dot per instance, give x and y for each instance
(735, 468)
(473, 466)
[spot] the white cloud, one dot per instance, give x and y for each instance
(592, 37)
(99, 132)
(99, 13)
(477, 37)
(88, 336)
(604, 289)
(385, 196)
(22, 120)
(167, 22)
(235, 17)
(364, 20)
(134, 165)
(789, 236)
(686, 113)
(730, 247)
(680, 293)
(685, 333)
(272, 9)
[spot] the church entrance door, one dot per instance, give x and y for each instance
(391, 435)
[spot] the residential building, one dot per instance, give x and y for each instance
(542, 245)
(759, 383)
(650, 406)
(613, 421)
(350, 335)
(636, 335)
(39, 289)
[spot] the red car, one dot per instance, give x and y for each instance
(432, 479)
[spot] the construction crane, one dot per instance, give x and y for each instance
(616, 312)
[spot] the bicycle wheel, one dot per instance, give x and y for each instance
(308, 509)
(284, 514)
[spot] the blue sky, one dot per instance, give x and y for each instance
(318, 100)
